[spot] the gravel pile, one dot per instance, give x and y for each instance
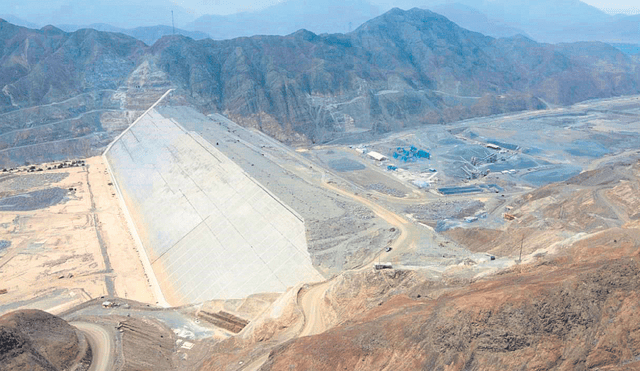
(445, 210)
(386, 190)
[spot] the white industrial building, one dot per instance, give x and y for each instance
(377, 156)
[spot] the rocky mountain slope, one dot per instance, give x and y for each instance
(402, 69)
(570, 314)
(49, 65)
(474, 20)
(33, 340)
(545, 21)
(66, 95)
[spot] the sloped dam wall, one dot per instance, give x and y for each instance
(209, 230)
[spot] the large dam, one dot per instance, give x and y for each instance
(208, 229)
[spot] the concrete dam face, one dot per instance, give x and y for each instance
(209, 230)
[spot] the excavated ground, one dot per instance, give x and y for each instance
(571, 305)
(571, 302)
(65, 239)
(565, 313)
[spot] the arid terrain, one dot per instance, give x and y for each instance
(33, 340)
(570, 305)
(69, 241)
(407, 196)
(527, 273)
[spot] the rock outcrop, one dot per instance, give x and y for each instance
(33, 340)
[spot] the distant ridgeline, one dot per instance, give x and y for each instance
(69, 94)
(631, 49)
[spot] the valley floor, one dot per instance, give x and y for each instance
(536, 268)
(66, 239)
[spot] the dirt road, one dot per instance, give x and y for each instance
(256, 363)
(310, 302)
(102, 345)
(312, 299)
(390, 217)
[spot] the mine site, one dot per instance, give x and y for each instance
(161, 216)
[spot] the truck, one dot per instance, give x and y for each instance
(380, 266)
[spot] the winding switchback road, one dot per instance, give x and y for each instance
(102, 345)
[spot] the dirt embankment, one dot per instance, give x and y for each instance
(33, 340)
(559, 314)
(147, 345)
(591, 202)
(573, 305)
(301, 313)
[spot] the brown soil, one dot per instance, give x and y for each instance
(572, 306)
(589, 203)
(147, 345)
(32, 340)
(558, 314)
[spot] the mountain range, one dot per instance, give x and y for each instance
(147, 35)
(544, 21)
(401, 69)
(329, 16)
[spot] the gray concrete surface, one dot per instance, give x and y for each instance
(339, 235)
(209, 229)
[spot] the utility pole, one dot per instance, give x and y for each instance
(521, 243)
(173, 25)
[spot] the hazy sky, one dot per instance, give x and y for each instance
(223, 6)
(226, 6)
(200, 7)
(112, 11)
(616, 6)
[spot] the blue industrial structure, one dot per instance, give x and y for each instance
(410, 155)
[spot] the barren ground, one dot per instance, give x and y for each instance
(571, 302)
(70, 252)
